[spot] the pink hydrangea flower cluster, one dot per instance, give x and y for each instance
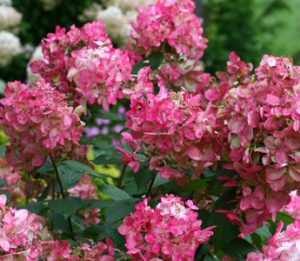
(83, 62)
(39, 123)
(53, 250)
(14, 183)
(263, 121)
(171, 22)
(18, 228)
(163, 232)
(57, 49)
(86, 189)
(173, 130)
(245, 121)
(61, 250)
(99, 73)
(263, 134)
(283, 245)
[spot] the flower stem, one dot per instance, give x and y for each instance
(122, 176)
(150, 186)
(61, 189)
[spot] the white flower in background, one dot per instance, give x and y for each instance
(9, 47)
(90, 13)
(128, 5)
(9, 17)
(5, 2)
(49, 4)
(115, 22)
(2, 86)
(36, 55)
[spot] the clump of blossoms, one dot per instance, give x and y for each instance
(164, 231)
(168, 22)
(263, 134)
(18, 228)
(86, 189)
(176, 130)
(83, 63)
(57, 49)
(98, 73)
(39, 123)
(283, 245)
(56, 250)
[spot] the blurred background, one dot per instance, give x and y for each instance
(249, 27)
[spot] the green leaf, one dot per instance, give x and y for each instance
(114, 192)
(155, 60)
(143, 178)
(2, 182)
(69, 178)
(137, 66)
(2, 151)
(45, 168)
(257, 240)
(58, 222)
(36, 207)
(159, 181)
(94, 203)
(66, 207)
(287, 219)
(119, 209)
(75, 166)
(238, 249)
(224, 231)
(6, 193)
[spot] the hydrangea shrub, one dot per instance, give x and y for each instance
(197, 167)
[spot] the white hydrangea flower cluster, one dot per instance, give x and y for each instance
(9, 18)
(118, 16)
(10, 46)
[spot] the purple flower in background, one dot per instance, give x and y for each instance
(121, 111)
(118, 128)
(91, 132)
(105, 130)
(102, 121)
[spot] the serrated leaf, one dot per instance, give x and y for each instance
(58, 222)
(224, 231)
(117, 210)
(137, 66)
(238, 249)
(66, 207)
(155, 60)
(36, 207)
(143, 178)
(76, 166)
(2, 182)
(69, 178)
(114, 192)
